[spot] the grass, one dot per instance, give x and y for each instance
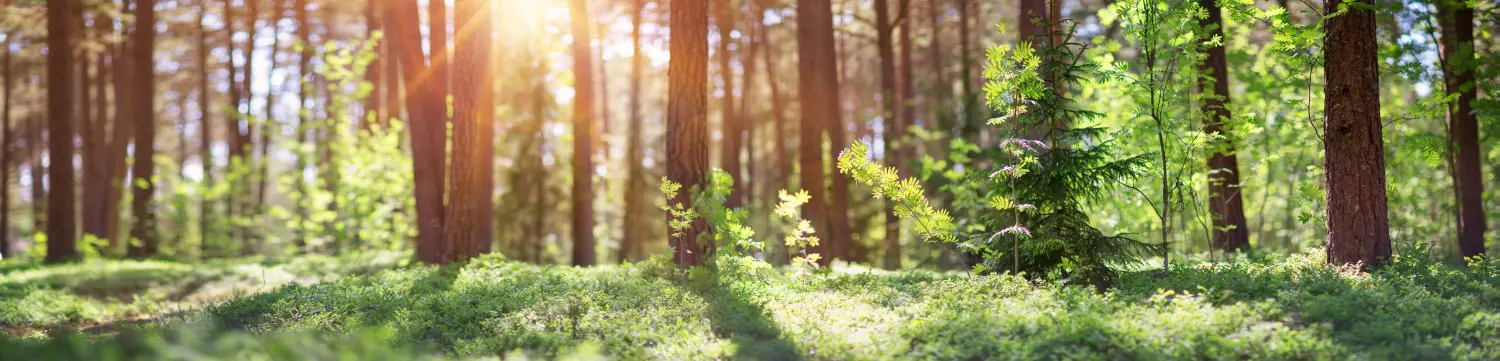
(1271, 308)
(83, 295)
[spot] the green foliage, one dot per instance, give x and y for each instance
(360, 196)
(799, 237)
(907, 194)
(1269, 308)
(110, 290)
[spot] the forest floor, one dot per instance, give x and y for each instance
(378, 307)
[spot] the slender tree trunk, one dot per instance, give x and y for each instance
(96, 159)
(1456, 19)
(1226, 205)
(687, 124)
(941, 87)
(205, 134)
(437, 53)
(278, 10)
(304, 119)
(1358, 227)
(375, 115)
(428, 125)
(122, 132)
(143, 225)
(780, 153)
(7, 151)
(752, 176)
(60, 207)
(631, 244)
(894, 110)
(817, 85)
(729, 153)
(966, 81)
(583, 133)
(38, 144)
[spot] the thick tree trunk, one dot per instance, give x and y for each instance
(729, 153)
(817, 85)
(583, 134)
(632, 241)
(428, 127)
(687, 123)
(143, 223)
(1456, 19)
(60, 207)
(890, 118)
(467, 227)
(1226, 205)
(1358, 227)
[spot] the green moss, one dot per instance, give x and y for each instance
(1271, 308)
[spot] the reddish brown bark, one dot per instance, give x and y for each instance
(143, 222)
(467, 226)
(889, 117)
(632, 241)
(731, 129)
(60, 207)
(428, 120)
(687, 128)
(1456, 19)
(817, 86)
(1358, 225)
(1226, 206)
(583, 133)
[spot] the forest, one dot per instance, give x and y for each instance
(749, 179)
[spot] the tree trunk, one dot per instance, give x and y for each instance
(632, 241)
(1456, 19)
(267, 124)
(1358, 227)
(304, 119)
(889, 118)
(817, 86)
(941, 109)
(437, 54)
(729, 153)
(60, 206)
(467, 226)
(1226, 205)
(7, 151)
(752, 176)
(780, 154)
(970, 129)
(583, 133)
(121, 134)
(374, 115)
(205, 134)
(428, 127)
(143, 225)
(687, 124)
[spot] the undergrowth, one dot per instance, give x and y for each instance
(1264, 308)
